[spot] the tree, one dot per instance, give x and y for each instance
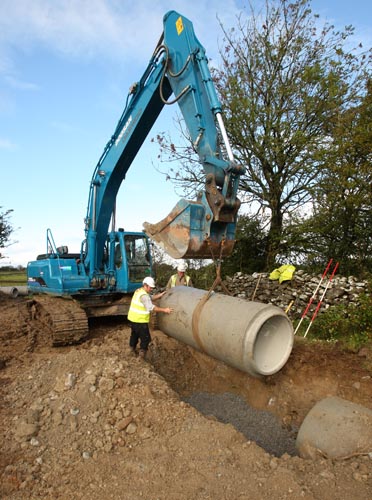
(248, 255)
(340, 226)
(6, 230)
(282, 81)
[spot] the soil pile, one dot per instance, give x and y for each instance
(91, 421)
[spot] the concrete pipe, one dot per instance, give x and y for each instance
(335, 428)
(253, 337)
(14, 291)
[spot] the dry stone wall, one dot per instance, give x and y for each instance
(297, 292)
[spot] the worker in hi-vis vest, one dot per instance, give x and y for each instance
(181, 278)
(139, 316)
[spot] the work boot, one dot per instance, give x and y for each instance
(133, 351)
(142, 353)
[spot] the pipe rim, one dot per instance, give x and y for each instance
(272, 345)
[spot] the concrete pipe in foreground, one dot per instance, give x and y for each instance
(14, 291)
(335, 428)
(253, 337)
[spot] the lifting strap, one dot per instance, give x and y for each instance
(203, 300)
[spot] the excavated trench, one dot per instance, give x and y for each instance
(260, 426)
(224, 394)
(267, 410)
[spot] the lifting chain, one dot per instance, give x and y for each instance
(218, 280)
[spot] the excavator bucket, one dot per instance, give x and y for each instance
(188, 233)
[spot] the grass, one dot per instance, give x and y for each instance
(13, 278)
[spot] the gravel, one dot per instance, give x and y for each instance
(259, 426)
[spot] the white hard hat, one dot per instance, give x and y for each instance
(149, 281)
(181, 267)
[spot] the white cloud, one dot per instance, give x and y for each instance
(16, 83)
(6, 144)
(116, 29)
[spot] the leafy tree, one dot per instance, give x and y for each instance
(282, 80)
(248, 255)
(340, 226)
(6, 230)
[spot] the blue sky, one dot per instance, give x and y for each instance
(65, 70)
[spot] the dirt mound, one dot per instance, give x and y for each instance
(91, 421)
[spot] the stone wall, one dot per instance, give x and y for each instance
(297, 292)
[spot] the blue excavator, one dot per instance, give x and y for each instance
(111, 264)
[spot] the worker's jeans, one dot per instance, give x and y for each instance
(140, 332)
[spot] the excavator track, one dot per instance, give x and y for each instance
(57, 321)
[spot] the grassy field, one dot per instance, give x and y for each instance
(13, 278)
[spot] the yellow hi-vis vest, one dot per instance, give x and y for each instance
(137, 311)
(283, 273)
(174, 279)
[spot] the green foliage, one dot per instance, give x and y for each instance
(340, 226)
(162, 273)
(204, 276)
(350, 325)
(6, 229)
(248, 255)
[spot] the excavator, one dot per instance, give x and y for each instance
(101, 278)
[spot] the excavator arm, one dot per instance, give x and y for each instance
(193, 228)
(206, 227)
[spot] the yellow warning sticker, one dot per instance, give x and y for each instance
(179, 25)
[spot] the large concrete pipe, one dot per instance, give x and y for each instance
(253, 337)
(335, 428)
(14, 291)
